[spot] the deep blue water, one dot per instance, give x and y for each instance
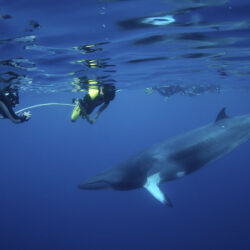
(43, 160)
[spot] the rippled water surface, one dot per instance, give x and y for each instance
(53, 46)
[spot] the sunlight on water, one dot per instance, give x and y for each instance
(128, 43)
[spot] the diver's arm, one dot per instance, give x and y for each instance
(89, 119)
(8, 112)
(17, 119)
(104, 106)
(84, 113)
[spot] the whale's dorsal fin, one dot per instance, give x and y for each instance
(152, 185)
(222, 115)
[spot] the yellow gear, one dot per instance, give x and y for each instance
(93, 91)
(76, 113)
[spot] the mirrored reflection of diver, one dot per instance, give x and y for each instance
(9, 98)
(97, 95)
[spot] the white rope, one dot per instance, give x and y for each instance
(45, 104)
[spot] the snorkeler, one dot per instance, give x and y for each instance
(167, 90)
(97, 95)
(9, 98)
(190, 90)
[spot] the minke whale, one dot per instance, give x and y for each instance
(174, 158)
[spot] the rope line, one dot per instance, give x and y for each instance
(45, 104)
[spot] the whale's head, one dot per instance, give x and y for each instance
(96, 182)
(123, 176)
(104, 180)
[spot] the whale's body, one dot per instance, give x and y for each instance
(175, 158)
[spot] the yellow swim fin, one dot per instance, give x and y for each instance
(76, 113)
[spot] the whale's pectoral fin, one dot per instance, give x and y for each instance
(152, 185)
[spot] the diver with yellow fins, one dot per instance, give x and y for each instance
(97, 94)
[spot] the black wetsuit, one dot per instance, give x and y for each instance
(88, 105)
(6, 108)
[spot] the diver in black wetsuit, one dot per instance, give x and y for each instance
(9, 98)
(97, 95)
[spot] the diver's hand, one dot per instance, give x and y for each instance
(87, 117)
(91, 121)
(96, 116)
(75, 101)
(27, 115)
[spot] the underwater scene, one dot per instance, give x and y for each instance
(124, 125)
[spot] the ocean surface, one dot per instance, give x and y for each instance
(49, 50)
